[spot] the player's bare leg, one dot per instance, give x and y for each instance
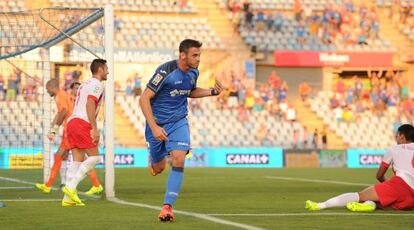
(59, 165)
(158, 167)
(173, 184)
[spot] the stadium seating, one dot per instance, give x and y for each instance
(281, 4)
(213, 127)
(138, 32)
(13, 6)
(21, 124)
(163, 6)
(389, 3)
(364, 133)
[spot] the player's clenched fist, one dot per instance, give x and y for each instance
(159, 133)
(218, 87)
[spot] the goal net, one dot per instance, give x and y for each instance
(35, 46)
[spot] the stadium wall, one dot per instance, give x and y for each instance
(21, 158)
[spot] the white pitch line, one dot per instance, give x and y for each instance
(11, 188)
(192, 214)
(118, 201)
(32, 200)
(310, 214)
(32, 183)
(317, 181)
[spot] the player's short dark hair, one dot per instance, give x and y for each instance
(407, 131)
(186, 44)
(73, 85)
(96, 64)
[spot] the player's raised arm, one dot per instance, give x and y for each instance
(145, 104)
(200, 92)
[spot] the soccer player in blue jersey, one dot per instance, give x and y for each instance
(164, 104)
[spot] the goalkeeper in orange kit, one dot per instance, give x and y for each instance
(65, 104)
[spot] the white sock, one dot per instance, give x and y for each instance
(70, 174)
(84, 168)
(63, 170)
(340, 201)
(370, 202)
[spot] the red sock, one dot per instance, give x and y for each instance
(55, 170)
(94, 178)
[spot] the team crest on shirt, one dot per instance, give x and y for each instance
(157, 79)
(96, 90)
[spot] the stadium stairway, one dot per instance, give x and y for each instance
(309, 119)
(125, 133)
(403, 45)
(30, 4)
(236, 49)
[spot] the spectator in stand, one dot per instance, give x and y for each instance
(260, 21)
(296, 139)
(137, 85)
(249, 101)
(358, 86)
(2, 95)
(291, 113)
(349, 96)
(246, 6)
(269, 21)
(324, 138)
(283, 91)
(233, 93)
(315, 140)
(297, 9)
(348, 115)
(334, 102)
(18, 76)
(314, 24)
(76, 74)
(249, 20)
(305, 137)
(304, 90)
(117, 24)
(300, 34)
(279, 20)
(128, 88)
(11, 87)
(283, 105)
(340, 87)
(274, 82)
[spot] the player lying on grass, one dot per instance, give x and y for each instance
(83, 133)
(64, 102)
(396, 193)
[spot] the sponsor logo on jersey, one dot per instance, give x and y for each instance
(182, 92)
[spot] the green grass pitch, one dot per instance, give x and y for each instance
(205, 191)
